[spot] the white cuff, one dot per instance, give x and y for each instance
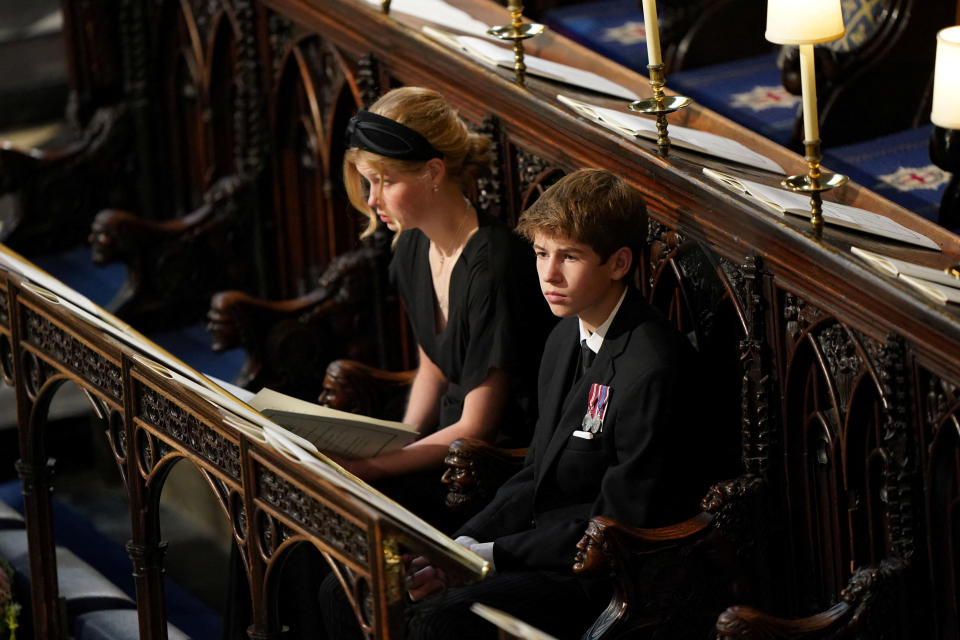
(482, 549)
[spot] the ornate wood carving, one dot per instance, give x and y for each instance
(939, 396)
(281, 30)
(250, 124)
(368, 78)
(758, 432)
(203, 13)
(188, 430)
(490, 188)
(312, 515)
(72, 354)
(4, 309)
(799, 315)
(534, 176)
(843, 361)
(900, 473)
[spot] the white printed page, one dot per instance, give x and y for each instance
(684, 137)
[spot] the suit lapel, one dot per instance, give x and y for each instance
(554, 394)
(603, 370)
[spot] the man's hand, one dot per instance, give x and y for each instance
(423, 579)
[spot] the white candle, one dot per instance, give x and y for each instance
(653, 31)
(946, 80)
(808, 83)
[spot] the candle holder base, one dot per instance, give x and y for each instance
(805, 184)
(521, 32)
(655, 107)
(659, 105)
(815, 185)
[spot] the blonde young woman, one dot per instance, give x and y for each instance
(465, 279)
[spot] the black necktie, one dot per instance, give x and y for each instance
(586, 358)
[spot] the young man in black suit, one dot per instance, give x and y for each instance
(614, 435)
(618, 421)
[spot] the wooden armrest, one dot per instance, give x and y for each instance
(476, 469)
(289, 343)
(174, 266)
(360, 388)
(867, 609)
(678, 577)
(59, 187)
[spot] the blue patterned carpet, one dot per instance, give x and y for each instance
(897, 166)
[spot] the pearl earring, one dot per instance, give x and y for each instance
(436, 188)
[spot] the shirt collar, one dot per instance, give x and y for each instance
(595, 339)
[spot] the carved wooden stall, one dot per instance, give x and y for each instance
(849, 404)
(156, 413)
(848, 393)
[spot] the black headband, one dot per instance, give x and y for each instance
(386, 137)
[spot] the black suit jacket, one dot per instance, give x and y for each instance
(638, 470)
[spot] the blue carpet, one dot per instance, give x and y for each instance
(109, 558)
(747, 91)
(75, 269)
(897, 166)
(613, 28)
(192, 345)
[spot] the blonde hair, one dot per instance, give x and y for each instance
(466, 155)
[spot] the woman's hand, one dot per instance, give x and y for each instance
(423, 579)
(358, 467)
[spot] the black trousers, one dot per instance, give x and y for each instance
(558, 604)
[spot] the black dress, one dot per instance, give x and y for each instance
(497, 318)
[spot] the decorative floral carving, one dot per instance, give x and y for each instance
(4, 309)
(312, 515)
(249, 108)
(757, 430)
(701, 282)
(534, 176)
(799, 315)
(843, 361)
(203, 12)
(281, 37)
(184, 427)
(490, 188)
(900, 472)
(940, 396)
(72, 354)
(368, 78)
(736, 278)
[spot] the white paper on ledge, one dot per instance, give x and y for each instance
(439, 13)
(840, 215)
(684, 137)
(494, 55)
(895, 267)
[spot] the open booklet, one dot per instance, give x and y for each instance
(318, 428)
(233, 411)
(840, 215)
(937, 284)
(683, 137)
(493, 55)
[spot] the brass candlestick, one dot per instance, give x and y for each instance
(517, 31)
(385, 5)
(814, 183)
(659, 105)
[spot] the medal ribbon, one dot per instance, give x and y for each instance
(597, 402)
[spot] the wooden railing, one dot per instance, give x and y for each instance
(157, 412)
(851, 402)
